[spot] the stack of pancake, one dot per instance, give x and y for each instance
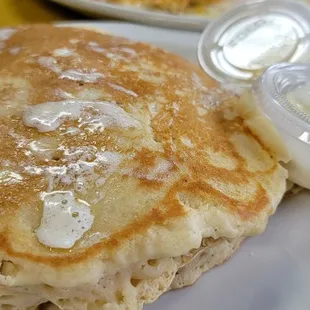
(124, 171)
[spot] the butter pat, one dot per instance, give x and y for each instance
(65, 220)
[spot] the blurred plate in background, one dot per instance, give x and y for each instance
(190, 21)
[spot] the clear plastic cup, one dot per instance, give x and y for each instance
(283, 95)
(244, 42)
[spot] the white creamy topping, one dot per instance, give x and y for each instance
(122, 89)
(63, 52)
(65, 219)
(49, 116)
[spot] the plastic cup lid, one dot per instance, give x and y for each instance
(240, 45)
(283, 94)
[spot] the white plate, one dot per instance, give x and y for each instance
(101, 9)
(269, 272)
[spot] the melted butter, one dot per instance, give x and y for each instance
(9, 177)
(63, 52)
(65, 220)
(79, 169)
(76, 75)
(81, 165)
(123, 89)
(49, 116)
(52, 64)
(300, 98)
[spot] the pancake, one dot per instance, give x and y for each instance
(118, 160)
